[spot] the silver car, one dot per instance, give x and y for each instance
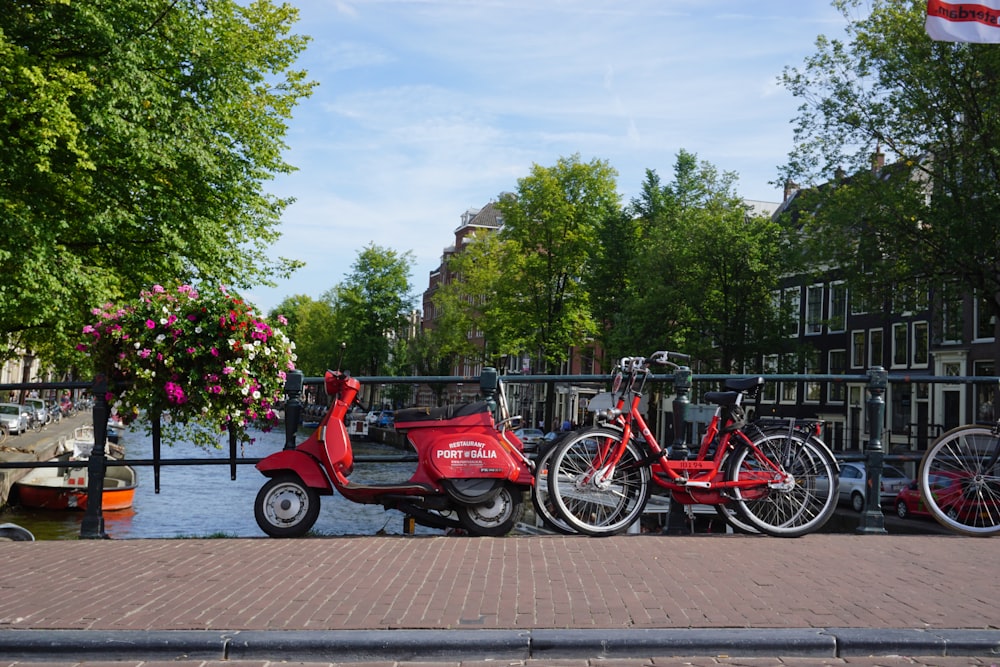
(13, 418)
(854, 482)
(41, 409)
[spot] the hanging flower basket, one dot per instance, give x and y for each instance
(201, 359)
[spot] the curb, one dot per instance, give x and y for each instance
(410, 645)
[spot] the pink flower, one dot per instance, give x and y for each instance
(175, 393)
(150, 324)
(158, 289)
(282, 319)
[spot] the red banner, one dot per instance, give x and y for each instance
(964, 21)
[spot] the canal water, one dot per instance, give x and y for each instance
(202, 501)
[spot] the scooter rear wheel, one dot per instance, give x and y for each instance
(496, 516)
(286, 507)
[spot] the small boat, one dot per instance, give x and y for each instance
(116, 429)
(66, 488)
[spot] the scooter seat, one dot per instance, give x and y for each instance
(443, 413)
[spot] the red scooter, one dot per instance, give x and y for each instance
(471, 471)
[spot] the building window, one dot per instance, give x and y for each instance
(838, 307)
(950, 314)
(789, 390)
(812, 388)
(985, 319)
(836, 364)
(921, 344)
(900, 344)
(770, 390)
(858, 349)
(984, 392)
(874, 348)
(814, 310)
(859, 303)
(788, 306)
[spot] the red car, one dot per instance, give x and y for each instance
(949, 491)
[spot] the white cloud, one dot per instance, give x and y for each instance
(428, 107)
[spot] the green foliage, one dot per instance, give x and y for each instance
(372, 306)
(316, 330)
(932, 109)
(137, 137)
(550, 229)
(696, 273)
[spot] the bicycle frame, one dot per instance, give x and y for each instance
(692, 481)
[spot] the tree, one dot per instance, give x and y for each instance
(701, 277)
(137, 137)
(550, 229)
(316, 331)
(373, 306)
(471, 301)
(930, 215)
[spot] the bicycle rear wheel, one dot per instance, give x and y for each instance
(799, 499)
(960, 480)
(581, 494)
(540, 499)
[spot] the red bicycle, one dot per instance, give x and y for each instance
(778, 481)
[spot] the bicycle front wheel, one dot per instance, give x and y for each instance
(590, 496)
(796, 493)
(960, 480)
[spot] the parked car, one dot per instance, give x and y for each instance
(13, 418)
(387, 419)
(41, 409)
(853, 484)
(531, 438)
(949, 489)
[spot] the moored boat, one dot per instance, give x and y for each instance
(66, 488)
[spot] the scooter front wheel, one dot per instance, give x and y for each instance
(496, 516)
(285, 507)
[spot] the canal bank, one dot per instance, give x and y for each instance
(35, 447)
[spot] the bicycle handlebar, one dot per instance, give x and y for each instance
(629, 364)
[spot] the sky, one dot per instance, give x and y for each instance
(427, 108)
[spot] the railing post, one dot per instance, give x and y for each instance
(488, 380)
(293, 406)
(682, 387)
(157, 433)
(92, 525)
(872, 519)
(677, 517)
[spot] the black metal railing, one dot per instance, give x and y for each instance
(876, 381)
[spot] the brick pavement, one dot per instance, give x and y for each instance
(881, 588)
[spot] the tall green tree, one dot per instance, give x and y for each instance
(471, 302)
(931, 109)
(704, 270)
(137, 137)
(550, 230)
(316, 331)
(373, 305)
